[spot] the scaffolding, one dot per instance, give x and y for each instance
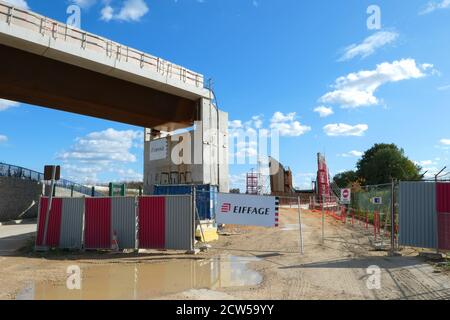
(252, 182)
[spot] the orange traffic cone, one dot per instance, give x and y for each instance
(115, 244)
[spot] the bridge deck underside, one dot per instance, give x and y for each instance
(36, 80)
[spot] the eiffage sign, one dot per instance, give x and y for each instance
(247, 210)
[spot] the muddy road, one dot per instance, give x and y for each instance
(246, 263)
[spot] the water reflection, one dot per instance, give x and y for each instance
(150, 280)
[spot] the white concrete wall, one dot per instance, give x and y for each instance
(208, 161)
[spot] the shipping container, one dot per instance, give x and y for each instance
(206, 197)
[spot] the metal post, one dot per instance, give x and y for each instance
(392, 217)
(111, 189)
(323, 220)
(437, 213)
(300, 226)
(49, 206)
(194, 193)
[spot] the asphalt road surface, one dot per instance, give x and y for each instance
(15, 236)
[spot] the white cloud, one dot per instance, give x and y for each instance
(287, 125)
(369, 45)
(324, 111)
(357, 89)
(235, 124)
(304, 180)
(128, 175)
(426, 162)
(444, 88)
(342, 129)
(3, 138)
(107, 13)
(18, 3)
(445, 142)
(352, 153)
(84, 3)
(106, 146)
(6, 104)
(280, 117)
(256, 122)
(238, 181)
(435, 5)
(99, 152)
(431, 172)
(246, 149)
(131, 10)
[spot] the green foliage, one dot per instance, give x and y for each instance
(379, 165)
(383, 162)
(345, 179)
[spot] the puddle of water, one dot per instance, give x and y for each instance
(147, 281)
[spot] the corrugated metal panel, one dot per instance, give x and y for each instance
(97, 231)
(151, 222)
(179, 223)
(206, 201)
(172, 189)
(124, 221)
(206, 197)
(443, 197)
(54, 222)
(444, 231)
(417, 214)
(72, 223)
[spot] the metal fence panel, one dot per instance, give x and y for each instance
(443, 197)
(72, 223)
(151, 222)
(53, 225)
(124, 221)
(444, 231)
(179, 223)
(97, 231)
(417, 214)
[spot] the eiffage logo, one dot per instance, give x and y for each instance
(226, 207)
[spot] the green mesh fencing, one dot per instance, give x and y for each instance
(362, 201)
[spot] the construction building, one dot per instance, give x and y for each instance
(281, 179)
(198, 155)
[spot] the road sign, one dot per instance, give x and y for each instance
(346, 196)
(377, 200)
(48, 173)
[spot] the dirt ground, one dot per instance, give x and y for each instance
(336, 269)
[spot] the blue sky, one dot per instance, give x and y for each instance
(268, 59)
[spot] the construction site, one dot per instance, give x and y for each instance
(187, 230)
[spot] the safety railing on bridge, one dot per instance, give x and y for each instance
(93, 43)
(8, 170)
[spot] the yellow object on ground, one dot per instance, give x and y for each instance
(209, 232)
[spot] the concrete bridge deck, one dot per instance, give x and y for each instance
(54, 65)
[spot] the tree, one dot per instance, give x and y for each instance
(383, 162)
(345, 179)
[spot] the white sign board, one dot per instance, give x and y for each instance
(158, 149)
(247, 210)
(377, 200)
(346, 195)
